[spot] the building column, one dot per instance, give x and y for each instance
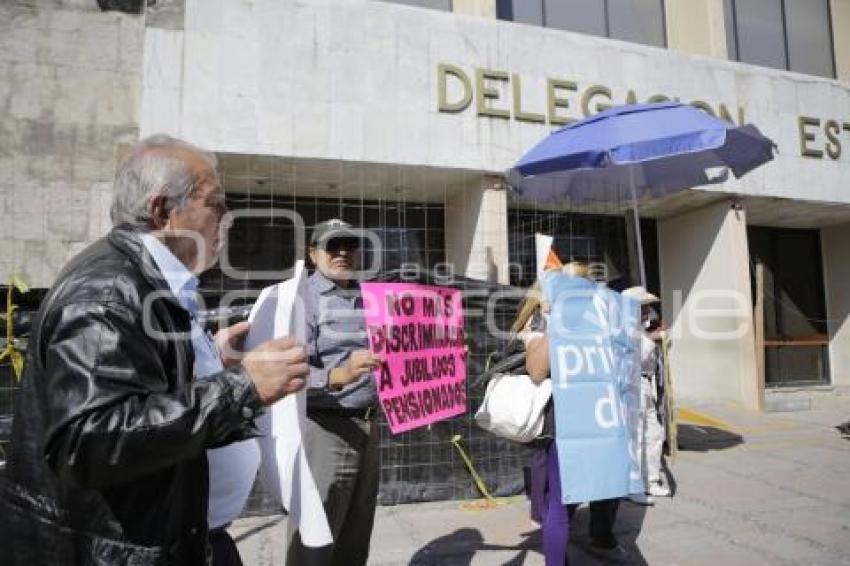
(477, 230)
(836, 268)
(707, 304)
(482, 8)
(696, 26)
(840, 10)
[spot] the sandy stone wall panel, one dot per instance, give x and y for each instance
(70, 95)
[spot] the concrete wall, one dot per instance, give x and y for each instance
(358, 80)
(836, 267)
(840, 10)
(701, 253)
(476, 230)
(70, 87)
(696, 26)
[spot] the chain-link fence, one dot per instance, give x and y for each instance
(409, 226)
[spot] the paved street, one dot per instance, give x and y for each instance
(776, 490)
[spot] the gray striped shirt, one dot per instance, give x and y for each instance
(335, 328)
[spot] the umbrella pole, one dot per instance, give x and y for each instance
(636, 218)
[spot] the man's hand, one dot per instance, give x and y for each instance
(228, 342)
(277, 368)
(358, 363)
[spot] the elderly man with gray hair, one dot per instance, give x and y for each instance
(107, 463)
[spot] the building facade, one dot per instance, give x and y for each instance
(403, 117)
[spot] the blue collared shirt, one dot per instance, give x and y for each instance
(184, 285)
(335, 328)
(231, 468)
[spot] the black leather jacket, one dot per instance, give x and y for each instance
(107, 461)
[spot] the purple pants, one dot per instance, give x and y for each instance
(546, 506)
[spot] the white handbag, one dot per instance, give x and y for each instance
(513, 407)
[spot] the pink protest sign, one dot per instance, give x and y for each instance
(417, 331)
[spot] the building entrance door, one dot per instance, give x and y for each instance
(793, 305)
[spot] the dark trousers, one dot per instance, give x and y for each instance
(224, 552)
(603, 515)
(343, 456)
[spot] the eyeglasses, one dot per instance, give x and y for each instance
(334, 245)
(216, 201)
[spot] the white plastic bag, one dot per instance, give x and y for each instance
(513, 407)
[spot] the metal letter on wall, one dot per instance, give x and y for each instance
(485, 94)
(704, 106)
(443, 71)
(833, 145)
(555, 101)
(592, 92)
(802, 123)
(726, 115)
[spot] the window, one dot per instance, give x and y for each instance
(433, 4)
(795, 333)
(409, 232)
(640, 21)
(585, 16)
(599, 240)
(523, 11)
(794, 35)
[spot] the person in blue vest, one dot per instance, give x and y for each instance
(544, 474)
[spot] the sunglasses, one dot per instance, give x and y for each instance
(336, 244)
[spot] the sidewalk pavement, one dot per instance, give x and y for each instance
(772, 489)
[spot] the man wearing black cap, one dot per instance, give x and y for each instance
(341, 435)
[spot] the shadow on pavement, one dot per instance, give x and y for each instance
(698, 438)
(460, 547)
(844, 429)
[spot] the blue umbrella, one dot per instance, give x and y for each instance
(643, 150)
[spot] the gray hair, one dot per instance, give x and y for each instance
(153, 168)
